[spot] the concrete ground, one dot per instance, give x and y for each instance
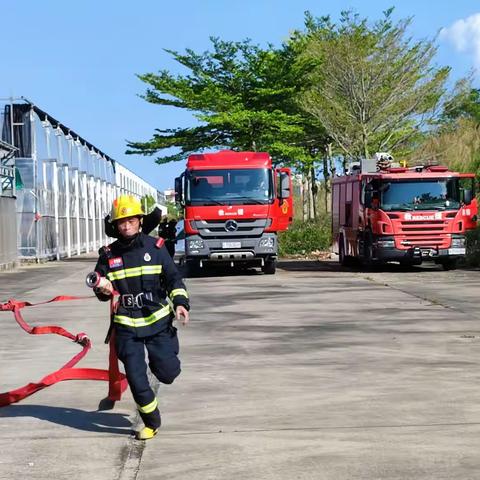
(317, 372)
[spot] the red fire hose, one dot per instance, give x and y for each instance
(117, 380)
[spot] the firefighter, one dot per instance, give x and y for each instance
(168, 231)
(162, 228)
(171, 239)
(140, 269)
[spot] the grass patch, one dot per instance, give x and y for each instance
(306, 237)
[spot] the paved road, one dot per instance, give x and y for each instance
(314, 373)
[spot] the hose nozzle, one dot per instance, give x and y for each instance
(95, 280)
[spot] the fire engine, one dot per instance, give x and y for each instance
(383, 213)
(234, 204)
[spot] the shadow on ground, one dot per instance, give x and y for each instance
(96, 421)
(218, 271)
(334, 266)
(92, 259)
(307, 266)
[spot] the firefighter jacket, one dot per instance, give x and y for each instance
(143, 274)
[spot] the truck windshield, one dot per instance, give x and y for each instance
(441, 194)
(234, 187)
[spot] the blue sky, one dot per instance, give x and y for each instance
(78, 60)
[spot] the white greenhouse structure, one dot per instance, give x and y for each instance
(64, 185)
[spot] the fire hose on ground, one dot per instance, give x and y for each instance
(117, 380)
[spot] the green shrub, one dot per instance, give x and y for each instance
(306, 237)
(473, 247)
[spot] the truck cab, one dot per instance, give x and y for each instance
(406, 215)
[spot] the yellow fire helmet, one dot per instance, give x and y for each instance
(126, 206)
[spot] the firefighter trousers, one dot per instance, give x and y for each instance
(162, 349)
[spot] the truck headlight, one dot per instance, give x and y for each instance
(458, 242)
(386, 243)
(267, 242)
(195, 244)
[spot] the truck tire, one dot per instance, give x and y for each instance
(345, 260)
(409, 263)
(192, 268)
(269, 267)
(367, 259)
(449, 264)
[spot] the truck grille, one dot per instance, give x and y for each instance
(430, 233)
(216, 228)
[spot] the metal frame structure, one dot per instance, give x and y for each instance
(68, 184)
(8, 218)
(7, 169)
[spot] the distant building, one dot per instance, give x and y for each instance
(64, 186)
(8, 217)
(169, 195)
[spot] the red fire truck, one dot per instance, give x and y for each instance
(406, 215)
(234, 205)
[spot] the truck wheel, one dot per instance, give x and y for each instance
(192, 268)
(342, 258)
(269, 267)
(449, 264)
(368, 249)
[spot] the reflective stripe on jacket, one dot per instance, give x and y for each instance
(143, 270)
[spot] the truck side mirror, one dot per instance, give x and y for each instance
(284, 185)
(467, 197)
(179, 190)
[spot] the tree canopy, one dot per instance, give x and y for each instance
(464, 103)
(455, 140)
(373, 88)
(243, 97)
(361, 86)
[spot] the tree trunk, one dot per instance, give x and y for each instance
(305, 197)
(326, 181)
(366, 153)
(331, 173)
(310, 196)
(314, 196)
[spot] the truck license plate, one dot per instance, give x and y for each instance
(456, 251)
(231, 244)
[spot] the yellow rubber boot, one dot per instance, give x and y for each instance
(146, 433)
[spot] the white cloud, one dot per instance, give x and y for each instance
(465, 36)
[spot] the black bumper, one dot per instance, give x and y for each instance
(416, 254)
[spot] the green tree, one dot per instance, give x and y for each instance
(172, 210)
(372, 87)
(455, 140)
(463, 104)
(148, 202)
(241, 95)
